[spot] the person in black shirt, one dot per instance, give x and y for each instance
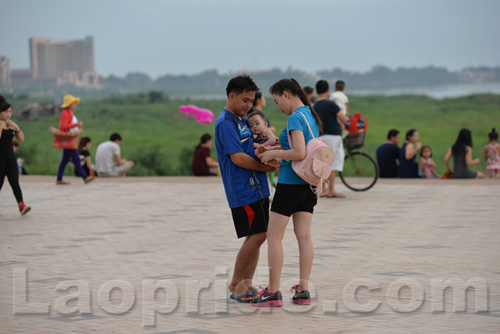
(328, 112)
(387, 154)
(8, 163)
(85, 160)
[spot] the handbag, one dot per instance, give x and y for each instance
(64, 140)
(315, 168)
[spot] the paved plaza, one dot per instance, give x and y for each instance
(155, 255)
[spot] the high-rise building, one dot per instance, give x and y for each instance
(67, 62)
(5, 78)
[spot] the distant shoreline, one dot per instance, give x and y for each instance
(437, 92)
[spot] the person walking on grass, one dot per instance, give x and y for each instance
(8, 162)
(245, 183)
(294, 197)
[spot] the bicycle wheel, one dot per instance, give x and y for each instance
(360, 171)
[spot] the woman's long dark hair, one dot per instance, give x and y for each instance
(464, 139)
(206, 137)
(83, 141)
(294, 88)
(4, 105)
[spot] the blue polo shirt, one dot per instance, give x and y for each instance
(296, 122)
(242, 186)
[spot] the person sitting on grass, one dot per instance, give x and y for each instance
(492, 156)
(388, 154)
(462, 157)
(108, 160)
(203, 163)
(85, 160)
(427, 167)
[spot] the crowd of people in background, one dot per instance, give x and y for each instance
(416, 161)
(108, 159)
(412, 160)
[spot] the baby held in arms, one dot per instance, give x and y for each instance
(264, 138)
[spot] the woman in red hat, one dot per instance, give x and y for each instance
(70, 124)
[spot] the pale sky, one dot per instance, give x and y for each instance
(159, 37)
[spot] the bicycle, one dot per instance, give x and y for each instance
(360, 169)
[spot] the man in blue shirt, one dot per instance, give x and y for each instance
(387, 154)
(245, 182)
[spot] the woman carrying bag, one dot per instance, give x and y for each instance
(70, 124)
(294, 197)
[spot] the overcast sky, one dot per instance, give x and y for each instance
(160, 37)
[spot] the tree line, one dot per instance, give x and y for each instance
(212, 83)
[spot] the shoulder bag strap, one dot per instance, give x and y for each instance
(288, 133)
(312, 134)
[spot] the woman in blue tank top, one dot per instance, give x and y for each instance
(293, 197)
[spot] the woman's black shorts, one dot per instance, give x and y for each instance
(291, 198)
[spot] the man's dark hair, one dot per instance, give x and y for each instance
(392, 133)
(115, 136)
(308, 90)
(339, 85)
(241, 84)
(322, 87)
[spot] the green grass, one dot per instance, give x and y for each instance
(160, 139)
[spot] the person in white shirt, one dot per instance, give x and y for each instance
(108, 159)
(342, 101)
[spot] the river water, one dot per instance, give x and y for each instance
(437, 92)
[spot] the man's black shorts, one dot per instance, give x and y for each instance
(291, 198)
(252, 218)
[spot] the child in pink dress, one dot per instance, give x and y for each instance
(492, 156)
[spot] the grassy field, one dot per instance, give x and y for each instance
(161, 139)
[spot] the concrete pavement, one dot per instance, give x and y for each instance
(154, 255)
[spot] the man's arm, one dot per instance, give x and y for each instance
(342, 117)
(245, 161)
(118, 160)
